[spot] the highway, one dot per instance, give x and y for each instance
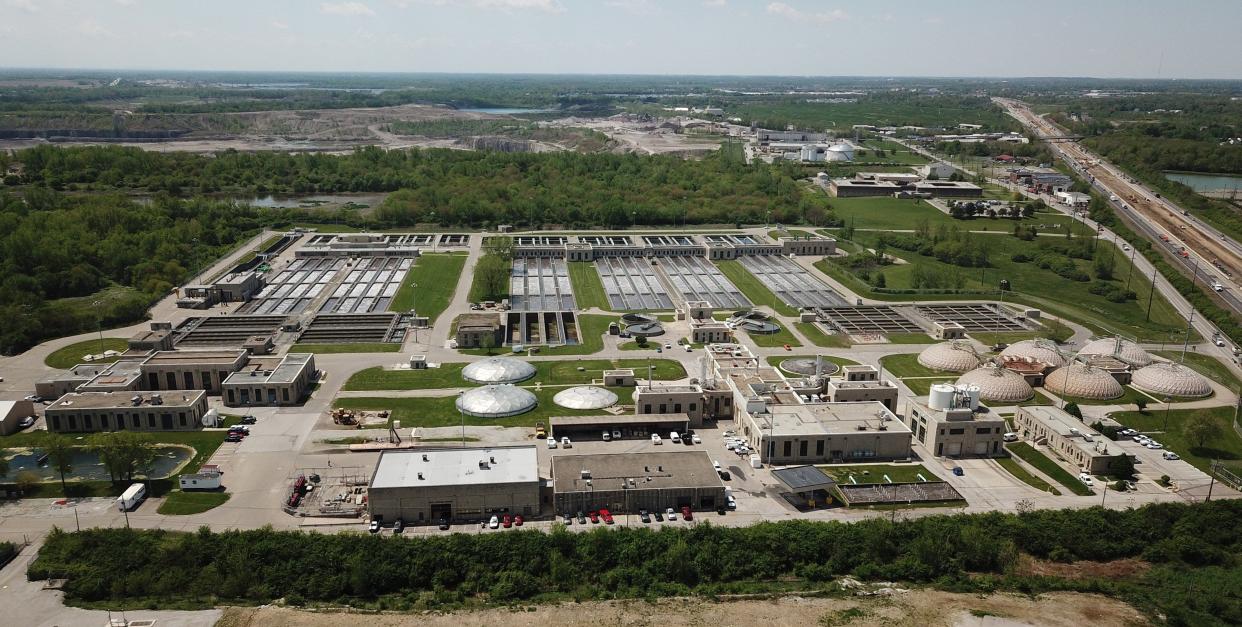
(1204, 251)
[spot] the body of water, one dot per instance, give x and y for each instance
(294, 202)
(86, 464)
(1206, 182)
(506, 110)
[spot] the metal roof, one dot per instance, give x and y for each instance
(457, 466)
(803, 478)
(585, 397)
(498, 370)
(496, 401)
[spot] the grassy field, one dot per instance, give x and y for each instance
(436, 276)
(922, 387)
(178, 503)
(895, 153)
(780, 338)
(1014, 468)
(441, 411)
(906, 214)
(588, 289)
(204, 444)
(71, 355)
(1031, 286)
(1227, 448)
(591, 330)
(546, 372)
(1129, 397)
(910, 338)
(907, 365)
(262, 246)
(753, 288)
(1048, 467)
(875, 473)
(813, 333)
(357, 347)
(1207, 366)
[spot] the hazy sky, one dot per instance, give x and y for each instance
(1104, 38)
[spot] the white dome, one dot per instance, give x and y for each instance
(496, 401)
(1038, 349)
(585, 397)
(1121, 348)
(998, 384)
(498, 370)
(1083, 381)
(950, 356)
(1170, 379)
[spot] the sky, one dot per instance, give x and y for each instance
(1099, 38)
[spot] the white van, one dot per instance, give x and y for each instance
(565, 443)
(672, 435)
(607, 435)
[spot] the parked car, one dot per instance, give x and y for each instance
(26, 422)
(594, 517)
(233, 437)
(581, 518)
(1171, 456)
(1011, 437)
(720, 509)
(958, 472)
(607, 435)
(606, 515)
(249, 420)
(518, 520)
(567, 518)
(671, 514)
(696, 439)
(716, 465)
(565, 443)
(1085, 478)
(34, 398)
(375, 526)
(551, 442)
(732, 502)
(443, 523)
(507, 521)
(668, 346)
(644, 516)
(658, 516)
(724, 475)
(493, 523)
(788, 347)
(655, 439)
(1154, 445)
(686, 513)
(616, 434)
(398, 526)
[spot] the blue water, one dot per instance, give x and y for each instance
(1206, 182)
(506, 110)
(86, 465)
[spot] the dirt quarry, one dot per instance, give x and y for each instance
(918, 608)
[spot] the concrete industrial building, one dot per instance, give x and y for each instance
(859, 384)
(12, 413)
(474, 327)
(457, 484)
(191, 369)
(283, 381)
(623, 482)
(1069, 438)
(123, 411)
(956, 428)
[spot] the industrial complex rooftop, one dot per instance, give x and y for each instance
(455, 466)
(616, 471)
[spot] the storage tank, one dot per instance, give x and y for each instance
(941, 396)
(973, 392)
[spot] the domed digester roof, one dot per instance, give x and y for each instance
(1170, 379)
(998, 384)
(1083, 381)
(1039, 350)
(496, 401)
(951, 356)
(498, 370)
(585, 397)
(1121, 348)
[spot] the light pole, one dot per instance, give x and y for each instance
(414, 307)
(98, 324)
(462, 410)
(1167, 407)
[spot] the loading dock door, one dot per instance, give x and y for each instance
(981, 448)
(441, 510)
(952, 448)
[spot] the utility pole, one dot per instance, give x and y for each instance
(1167, 407)
(462, 411)
(1152, 294)
(1186, 342)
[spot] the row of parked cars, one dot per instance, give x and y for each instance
(595, 516)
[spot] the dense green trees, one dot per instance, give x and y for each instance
(71, 262)
(967, 552)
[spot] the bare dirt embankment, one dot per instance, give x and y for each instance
(919, 608)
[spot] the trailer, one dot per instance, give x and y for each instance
(132, 496)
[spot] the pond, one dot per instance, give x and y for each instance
(294, 202)
(1205, 183)
(506, 110)
(86, 464)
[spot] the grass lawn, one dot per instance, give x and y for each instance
(905, 214)
(1130, 396)
(753, 288)
(1206, 366)
(546, 372)
(775, 360)
(818, 337)
(588, 289)
(1225, 448)
(1031, 286)
(262, 246)
(907, 365)
(436, 276)
(441, 411)
(591, 330)
(910, 338)
(1014, 468)
(876, 473)
(204, 444)
(1048, 467)
(780, 338)
(179, 503)
(358, 347)
(71, 355)
(922, 387)
(1012, 337)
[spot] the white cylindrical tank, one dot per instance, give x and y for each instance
(973, 391)
(941, 396)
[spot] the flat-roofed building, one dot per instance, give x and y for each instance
(620, 378)
(191, 369)
(630, 426)
(861, 383)
(238, 286)
(271, 381)
(850, 188)
(671, 399)
(1069, 438)
(12, 413)
(422, 486)
(813, 245)
(710, 333)
(152, 340)
(124, 375)
(950, 189)
(126, 411)
(816, 433)
(629, 482)
(473, 328)
(958, 431)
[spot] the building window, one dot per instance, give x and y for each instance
(284, 394)
(663, 408)
(693, 407)
(171, 377)
(956, 431)
(55, 423)
(788, 448)
(205, 377)
(182, 416)
(87, 422)
(647, 408)
(103, 422)
(819, 448)
(982, 431)
(802, 448)
(189, 380)
(136, 423)
(677, 408)
(73, 423)
(150, 421)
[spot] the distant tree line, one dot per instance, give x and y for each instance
(1193, 551)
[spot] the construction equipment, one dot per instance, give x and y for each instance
(343, 416)
(540, 433)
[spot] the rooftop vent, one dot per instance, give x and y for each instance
(425, 458)
(482, 464)
(586, 474)
(420, 476)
